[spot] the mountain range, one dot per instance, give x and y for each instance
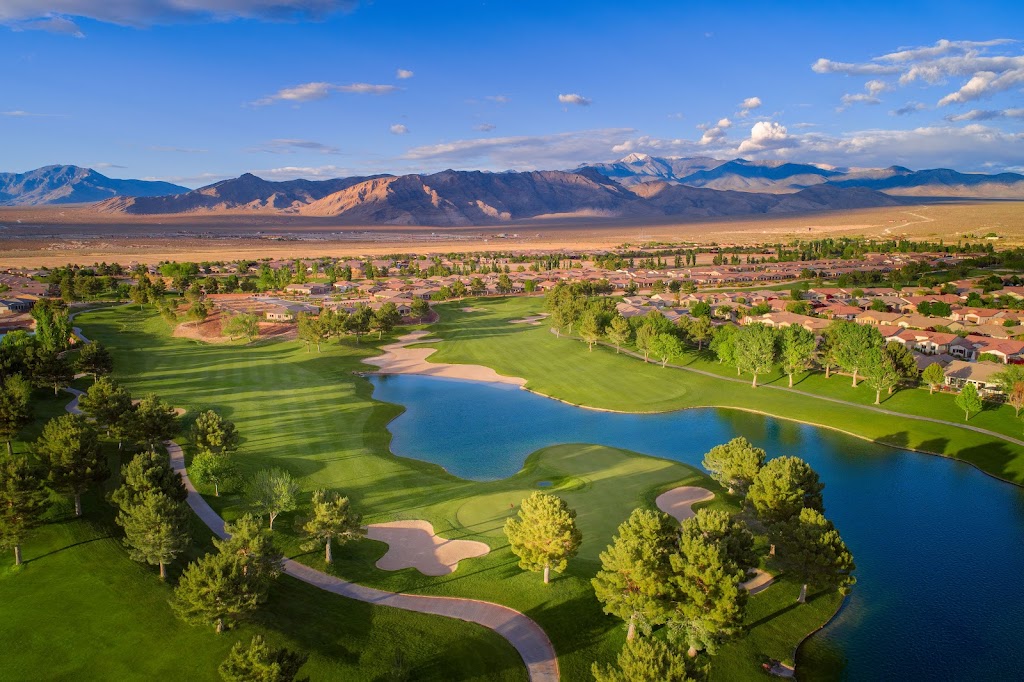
(635, 187)
(73, 185)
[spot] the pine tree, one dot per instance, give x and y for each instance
(15, 408)
(22, 501)
(95, 359)
(332, 520)
(146, 473)
(213, 433)
(257, 662)
(156, 529)
(71, 451)
(734, 464)
(254, 547)
(709, 602)
(647, 660)
(156, 421)
(633, 581)
(544, 534)
(729, 533)
(216, 591)
(106, 402)
(812, 550)
(783, 487)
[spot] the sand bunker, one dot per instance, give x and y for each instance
(398, 358)
(471, 309)
(532, 319)
(679, 502)
(413, 544)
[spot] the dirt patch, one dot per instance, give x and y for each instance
(758, 582)
(398, 358)
(413, 544)
(209, 330)
(679, 502)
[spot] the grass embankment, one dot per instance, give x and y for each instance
(564, 369)
(308, 413)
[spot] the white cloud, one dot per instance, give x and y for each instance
(291, 146)
(498, 99)
(875, 87)
(846, 101)
(56, 15)
(574, 98)
(313, 172)
(986, 115)
(402, 74)
(103, 165)
(748, 105)
(767, 135)
(398, 129)
(714, 133)
(485, 127)
(986, 74)
(307, 92)
(18, 113)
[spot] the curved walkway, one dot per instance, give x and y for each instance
(837, 401)
(524, 634)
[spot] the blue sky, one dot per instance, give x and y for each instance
(322, 88)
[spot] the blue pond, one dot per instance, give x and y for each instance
(939, 545)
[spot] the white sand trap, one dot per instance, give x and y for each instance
(758, 582)
(532, 319)
(679, 502)
(471, 309)
(398, 358)
(413, 544)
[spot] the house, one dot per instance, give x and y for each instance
(311, 289)
(1006, 350)
(960, 373)
(14, 305)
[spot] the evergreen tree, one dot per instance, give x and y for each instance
(22, 502)
(783, 487)
(544, 534)
(213, 433)
(254, 547)
(385, 319)
(70, 450)
(215, 591)
(812, 550)
(50, 369)
(155, 421)
(156, 529)
(106, 402)
(148, 472)
(95, 359)
(332, 521)
(633, 581)
(15, 408)
(700, 330)
(729, 533)
(257, 662)
(734, 464)
(647, 660)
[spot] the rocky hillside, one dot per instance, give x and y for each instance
(73, 185)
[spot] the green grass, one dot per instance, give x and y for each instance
(564, 369)
(311, 415)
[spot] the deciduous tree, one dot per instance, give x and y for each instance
(619, 332)
(666, 346)
(544, 534)
(15, 408)
(700, 330)
(590, 329)
(934, 376)
(756, 350)
(208, 468)
(968, 400)
(271, 492)
(723, 344)
(385, 319)
(797, 350)
(1011, 383)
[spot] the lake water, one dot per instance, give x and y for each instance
(939, 545)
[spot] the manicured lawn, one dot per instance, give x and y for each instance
(309, 414)
(564, 369)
